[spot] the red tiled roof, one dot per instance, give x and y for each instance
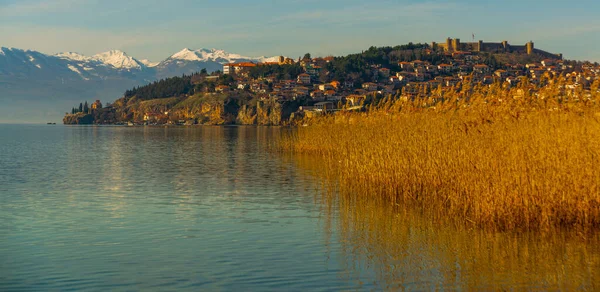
(269, 63)
(242, 64)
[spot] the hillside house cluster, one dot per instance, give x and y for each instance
(405, 78)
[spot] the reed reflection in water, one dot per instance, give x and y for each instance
(212, 209)
(408, 250)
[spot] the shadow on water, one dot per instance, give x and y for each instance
(405, 249)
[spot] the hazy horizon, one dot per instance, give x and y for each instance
(156, 30)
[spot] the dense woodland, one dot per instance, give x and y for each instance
(168, 87)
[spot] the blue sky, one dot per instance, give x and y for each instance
(153, 29)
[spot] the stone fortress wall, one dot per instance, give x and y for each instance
(454, 45)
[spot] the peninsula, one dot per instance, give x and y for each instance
(280, 92)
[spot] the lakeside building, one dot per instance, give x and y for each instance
(237, 68)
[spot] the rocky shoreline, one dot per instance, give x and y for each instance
(262, 113)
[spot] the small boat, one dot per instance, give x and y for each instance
(50, 123)
(129, 124)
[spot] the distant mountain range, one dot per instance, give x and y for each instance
(35, 87)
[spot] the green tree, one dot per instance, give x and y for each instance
(307, 56)
(80, 107)
(86, 108)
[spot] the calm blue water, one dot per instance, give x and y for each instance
(158, 208)
(208, 208)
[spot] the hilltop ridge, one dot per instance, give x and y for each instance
(283, 90)
(455, 45)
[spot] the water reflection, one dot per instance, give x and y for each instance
(203, 208)
(208, 208)
(405, 250)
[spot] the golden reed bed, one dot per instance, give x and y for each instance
(526, 157)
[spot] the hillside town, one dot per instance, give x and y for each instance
(328, 84)
(405, 77)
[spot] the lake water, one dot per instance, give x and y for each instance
(210, 208)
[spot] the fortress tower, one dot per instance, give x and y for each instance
(451, 45)
(529, 47)
(479, 46)
(456, 45)
(506, 46)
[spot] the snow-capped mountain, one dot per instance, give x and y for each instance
(74, 56)
(149, 63)
(188, 61)
(17, 64)
(113, 58)
(118, 62)
(118, 59)
(215, 55)
(53, 82)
